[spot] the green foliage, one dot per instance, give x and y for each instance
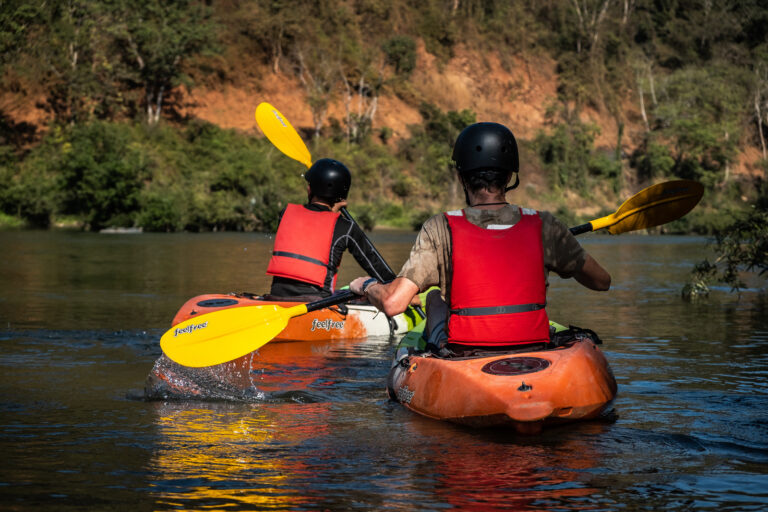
(102, 173)
(159, 178)
(10, 222)
(160, 212)
(77, 64)
(30, 189)
(401, 53)
(155, 38)
(405, 186)
(101, 60)
(385, 134)
(652, 159)
(700, 115)
(569, 218)
(16, 17)
(430, 145)
(436, 26)
(742, 246)
(392, 214)
(568, 153)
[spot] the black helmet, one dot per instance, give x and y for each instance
(329, 179)
(486, 146)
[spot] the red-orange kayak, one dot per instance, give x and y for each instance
(523, 390)
(351, 321)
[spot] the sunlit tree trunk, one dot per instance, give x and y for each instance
(277, 50)
(652, 86)
(319, 85)
(590, 15)
(642, 103)
(361, 120)
(629, 6)
(761, 100)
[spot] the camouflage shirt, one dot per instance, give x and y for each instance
(429, 263)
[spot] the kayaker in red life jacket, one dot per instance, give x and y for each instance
(490, 259)
(312, 238)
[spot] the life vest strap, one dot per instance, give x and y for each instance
(301, 257)
(498, 310)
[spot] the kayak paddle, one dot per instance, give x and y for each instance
(284, 136)
(224, 335)
(652, 206)
(281, 133)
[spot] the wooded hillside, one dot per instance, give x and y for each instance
(140, 113)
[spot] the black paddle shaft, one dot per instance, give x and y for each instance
(392, 274)
(583, 228)
(378, 255)
(337, 298)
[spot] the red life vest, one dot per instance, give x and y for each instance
(498, 287)
(303, 246)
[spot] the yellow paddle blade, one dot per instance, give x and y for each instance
(653, 206)
(221, 336)
(280, 133)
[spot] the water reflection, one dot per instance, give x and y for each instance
(488, 471)
(297, 457)
(227, 455)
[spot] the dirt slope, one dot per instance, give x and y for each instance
(517, 97)
(516, 93)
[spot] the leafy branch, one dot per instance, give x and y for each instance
(741, 247)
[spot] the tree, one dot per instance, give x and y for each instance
(16, 19)
(429, 148)
(70, 48)
(760, 95)
(156, 37)
(401, 53)
(102, 174)
(742, 246)
(699, 112)
(590, 15)
(363, 80)
(320, 75)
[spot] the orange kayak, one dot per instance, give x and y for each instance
(523, 390)
(350, 321)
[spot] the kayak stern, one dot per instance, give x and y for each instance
(524, 390)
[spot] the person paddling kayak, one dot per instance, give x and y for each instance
(311, 239)
(490, 260)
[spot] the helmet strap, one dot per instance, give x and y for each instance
(517, 182)
(466, 196)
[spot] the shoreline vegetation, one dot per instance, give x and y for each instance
(199, 177)
(683, 86)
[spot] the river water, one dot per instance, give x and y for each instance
(81, 316)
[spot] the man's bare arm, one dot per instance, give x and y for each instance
(391, 298)
(593, 276)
